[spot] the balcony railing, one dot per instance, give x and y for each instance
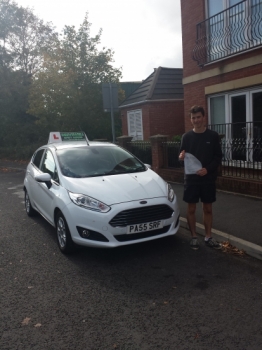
(235, 30)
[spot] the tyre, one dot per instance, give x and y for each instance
(28, 207)
(64, 240)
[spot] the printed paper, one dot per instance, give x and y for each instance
(192, 164)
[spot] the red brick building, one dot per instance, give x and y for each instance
(156, 106)
(222, 71)
(222, 60)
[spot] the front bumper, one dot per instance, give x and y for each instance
(116, 236)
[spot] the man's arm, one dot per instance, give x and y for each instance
(182, 151)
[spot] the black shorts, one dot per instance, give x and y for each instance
(206, 192)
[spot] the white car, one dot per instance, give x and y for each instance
(97, 194)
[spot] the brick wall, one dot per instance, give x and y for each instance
(164, 118)
(167, 118)
(194, 93)
(228, 184)
(192, 12)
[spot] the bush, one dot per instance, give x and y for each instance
(176, 138)
(18, 153)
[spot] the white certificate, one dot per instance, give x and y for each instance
(192, 164)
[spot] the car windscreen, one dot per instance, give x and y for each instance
(93, 161)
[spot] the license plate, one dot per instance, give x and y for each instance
(148, 226)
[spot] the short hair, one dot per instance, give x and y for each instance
(197, 109)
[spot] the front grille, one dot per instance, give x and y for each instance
(141, 215)
(136, 236)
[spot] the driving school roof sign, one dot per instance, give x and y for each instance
(56, 136)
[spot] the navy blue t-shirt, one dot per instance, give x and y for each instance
(206, 148)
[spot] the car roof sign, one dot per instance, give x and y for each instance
(57, 136)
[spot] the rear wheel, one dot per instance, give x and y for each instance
(28, 207)
(64, 240)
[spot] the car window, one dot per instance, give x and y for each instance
(97, 161)
(49, 166)
(37, 157)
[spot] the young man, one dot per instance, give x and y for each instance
(204, 144)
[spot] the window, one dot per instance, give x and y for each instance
(37, 157)
(232, 26)
(256, 14)
(217, 110)
(135, 125)
(216, 6)
(217, 114)
(225, 27)
(238, 116)
(49, 166)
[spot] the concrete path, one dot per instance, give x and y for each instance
(236, 218)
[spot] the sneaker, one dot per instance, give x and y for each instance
(213, 244)
(194, 244)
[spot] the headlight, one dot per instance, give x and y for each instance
(171, 193)
(88, 202)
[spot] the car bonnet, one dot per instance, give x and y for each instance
(120, 188)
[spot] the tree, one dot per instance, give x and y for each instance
(23, 37)
(66, 93)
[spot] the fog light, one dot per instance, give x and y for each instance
(91, 235)
(85, 233)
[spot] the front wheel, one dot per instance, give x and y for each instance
(64, 239)
(28, 207)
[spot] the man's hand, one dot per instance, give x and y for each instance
(202, 172)
(182, 155)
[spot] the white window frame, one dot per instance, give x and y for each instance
(228, 117)
(249, 92)
(137, 134)
(226, 5)
(247, 6)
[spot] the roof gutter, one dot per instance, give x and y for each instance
(151, 101)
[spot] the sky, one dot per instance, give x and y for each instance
(144, 34)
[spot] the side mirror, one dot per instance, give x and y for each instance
(148, 166)
(46, 178)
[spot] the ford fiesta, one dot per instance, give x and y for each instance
(97, 194)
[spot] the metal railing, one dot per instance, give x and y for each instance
(171, 152)
(237, 29)
(241, 145)
(142, 150)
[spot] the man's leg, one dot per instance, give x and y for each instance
(207, 218)
(191, 218)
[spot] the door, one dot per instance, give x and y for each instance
(237, 117)
(46, 196)
(246, 129)
(256, 111)
(240, 128)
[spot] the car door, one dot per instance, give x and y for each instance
(46, 195)
(31, 171)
